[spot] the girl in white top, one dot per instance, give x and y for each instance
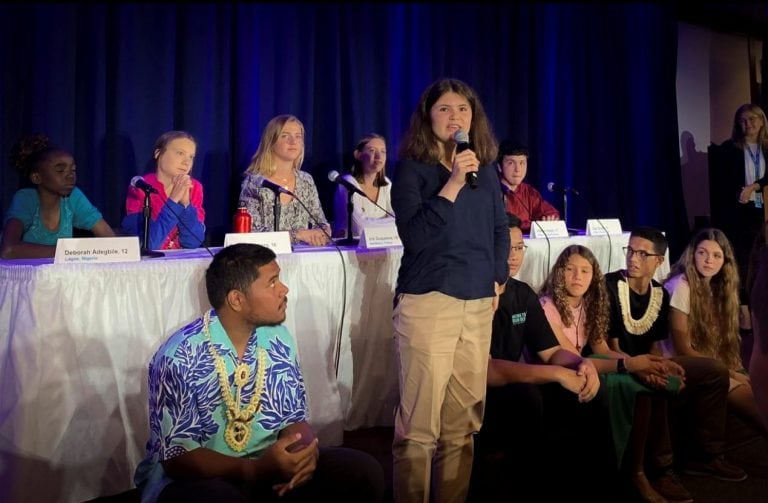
(704, 314)
(367, 175)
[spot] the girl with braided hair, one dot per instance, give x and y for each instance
(49, 206)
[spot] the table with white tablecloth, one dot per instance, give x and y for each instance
(77, 338)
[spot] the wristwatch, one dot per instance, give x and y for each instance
(620, 367)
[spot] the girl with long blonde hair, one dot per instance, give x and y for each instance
(704, 313)
(278, 159)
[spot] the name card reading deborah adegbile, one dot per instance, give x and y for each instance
(97, 250)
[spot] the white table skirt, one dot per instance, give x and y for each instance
(74, 356)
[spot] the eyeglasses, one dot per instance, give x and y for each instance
(520, 248)
(641, 254)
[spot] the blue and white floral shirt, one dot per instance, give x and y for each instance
(186, 409)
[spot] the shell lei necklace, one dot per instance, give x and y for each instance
(641, 326)
(238, 430)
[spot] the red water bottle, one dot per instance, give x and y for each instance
(242, 220)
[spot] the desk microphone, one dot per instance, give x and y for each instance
(138, 182)
(462, 143)
(263, 182)
(553, 187)
(335, 177)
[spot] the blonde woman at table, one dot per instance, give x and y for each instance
(178, 218)
(367, 175)
(51, 207)
(450, 217)
(279, 159)
(704, 315)
(227, 403)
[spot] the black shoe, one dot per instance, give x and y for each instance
(718, 468)
(668, 485)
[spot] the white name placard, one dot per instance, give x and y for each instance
(610, 226)
(380, 234)
(548, 229)
(97, 250)
(278, 242)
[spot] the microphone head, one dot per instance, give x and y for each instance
(333, 175)
(551, 186)
(461, 136)
(136, 179)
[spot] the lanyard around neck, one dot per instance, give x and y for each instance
(755, 159)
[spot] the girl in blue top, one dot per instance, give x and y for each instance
(40, 215)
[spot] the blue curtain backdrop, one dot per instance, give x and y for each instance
(590, 89)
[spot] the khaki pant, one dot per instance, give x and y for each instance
(443, 345)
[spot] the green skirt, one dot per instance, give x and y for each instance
(621, 390)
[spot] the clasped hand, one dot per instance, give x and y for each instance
(584, 381)
(294, 461)
(182, 186)
(654, 371)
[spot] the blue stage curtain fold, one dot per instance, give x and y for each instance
(590, 89)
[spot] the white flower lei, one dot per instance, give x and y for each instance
(641, 326)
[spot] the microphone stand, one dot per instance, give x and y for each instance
(276, 210)
(349, 240)
(147, 211)
(565, 207)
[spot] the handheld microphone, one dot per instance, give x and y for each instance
(335, 177)
(462, 143)
(263, 182)
(137, 182)
(553, 187)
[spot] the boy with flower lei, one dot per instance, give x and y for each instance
(638, 324)
(227, 404)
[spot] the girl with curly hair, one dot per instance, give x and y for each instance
(50, 205)
(704, 314)
(576, 303)
(575, 292)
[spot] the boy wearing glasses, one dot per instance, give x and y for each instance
(638, 322)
